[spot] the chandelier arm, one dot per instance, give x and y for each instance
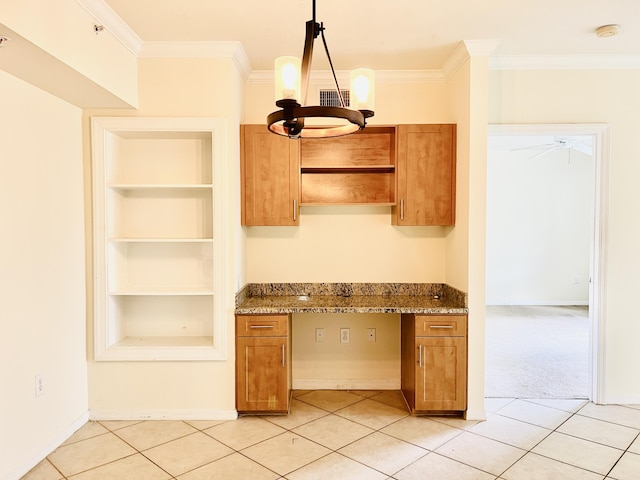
(307, 55)
(333, 72)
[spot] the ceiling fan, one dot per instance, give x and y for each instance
(580, 143)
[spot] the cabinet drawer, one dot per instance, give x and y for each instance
(441, 325)
(262, 325)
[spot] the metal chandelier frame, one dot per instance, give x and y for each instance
(289, 121)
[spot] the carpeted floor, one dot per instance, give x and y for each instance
(537, 352)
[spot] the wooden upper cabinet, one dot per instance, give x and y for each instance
(408, 167)
(425, 175)
(270, 171)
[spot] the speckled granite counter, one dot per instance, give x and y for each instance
(432, 298)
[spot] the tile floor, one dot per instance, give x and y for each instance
(362, 435)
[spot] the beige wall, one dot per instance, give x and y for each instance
(466, 242)
(42, 275)
(597, 96)
(69, 54)
(175, 87)
(357, 365)
(353, 244)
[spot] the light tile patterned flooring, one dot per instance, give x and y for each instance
(351, 435)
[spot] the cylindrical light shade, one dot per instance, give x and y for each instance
(287, 71)
(362, 95)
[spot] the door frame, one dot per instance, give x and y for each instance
(598, 263)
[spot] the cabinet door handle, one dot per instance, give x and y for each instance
(283, 354)
(261, 326)
(295, 209)
(420, 356)
(402, 209)
(440, 326)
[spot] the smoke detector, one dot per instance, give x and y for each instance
(607, 30)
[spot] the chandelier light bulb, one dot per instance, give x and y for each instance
(287, 78)
(362, 91)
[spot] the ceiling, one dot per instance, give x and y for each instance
(390, 34)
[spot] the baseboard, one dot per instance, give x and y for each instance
(346, 384)
(479, 415)
(621, 400)
(163, 415)
(42, 452)
(539, 303)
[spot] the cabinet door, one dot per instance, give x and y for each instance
(261, 374)
(270, 173)
(441, 373)
(425, 175)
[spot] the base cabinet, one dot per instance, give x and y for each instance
(263, 359)
(434, 362)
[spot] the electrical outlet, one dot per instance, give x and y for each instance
(39, 379)
(371, 334)
(319, 334)
(345, 335)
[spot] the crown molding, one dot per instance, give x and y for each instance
(481, 48)
(111, 21)
(564, 62)
(205, 49)
(466, 49)
(265, 77)
(107, 17)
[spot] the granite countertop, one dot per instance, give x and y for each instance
(430, 298)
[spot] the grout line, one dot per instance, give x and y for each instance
(623, 454)
(327, 413)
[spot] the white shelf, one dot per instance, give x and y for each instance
(165, 342)
(155, 255)
(157, 291)
(160, 240)
(163, 213)
(158, 186)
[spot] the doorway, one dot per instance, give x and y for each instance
(545, 188)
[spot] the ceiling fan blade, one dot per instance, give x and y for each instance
(587, 150)
(540, 154)
(534, 147)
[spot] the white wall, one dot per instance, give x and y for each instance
(42, 274)
(595, 96)
(539, 226)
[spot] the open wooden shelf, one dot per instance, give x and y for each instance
(356, 169)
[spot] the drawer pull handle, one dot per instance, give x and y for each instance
(420, 355)
(283, 354)
(295, 209)
(261, 326)
(440, 326)
(402, 209)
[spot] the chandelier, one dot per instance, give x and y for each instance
(292, 82)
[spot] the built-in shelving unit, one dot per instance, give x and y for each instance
(155, 253)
